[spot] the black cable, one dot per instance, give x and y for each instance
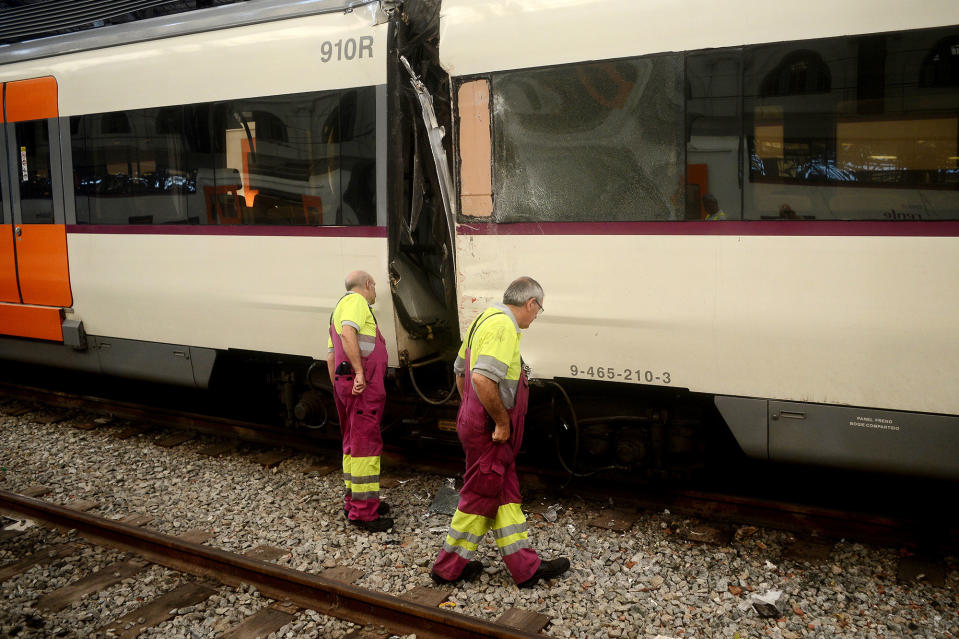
(426, 399)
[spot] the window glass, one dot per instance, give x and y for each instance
(295, 159)
(133, 167)
(594, 142)
(36, 187)
(302, 159)
(854, 128)
(713, 135)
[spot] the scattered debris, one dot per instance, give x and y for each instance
(706, 535)
(551, 513)
(446, 499)
(20, 525)
(770, 604)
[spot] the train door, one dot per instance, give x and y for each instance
(34, 277)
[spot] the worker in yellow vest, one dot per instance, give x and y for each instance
(494, 392)
(357, 364)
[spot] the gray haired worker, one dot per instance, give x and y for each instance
(494, 391)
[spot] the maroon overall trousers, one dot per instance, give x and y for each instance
(490, 497)
(360, 417)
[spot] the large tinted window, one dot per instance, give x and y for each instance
(303, 159)
(300, 159)
(136, 167)
(601, 141)
(854, 128)
(714, 135)
(851, 128)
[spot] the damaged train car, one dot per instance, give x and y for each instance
(747, 232)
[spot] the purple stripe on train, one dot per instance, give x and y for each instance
(242, 230)
(759, 227)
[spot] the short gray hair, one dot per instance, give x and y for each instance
(521, 290)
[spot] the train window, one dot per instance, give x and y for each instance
(114, 123)
(36, 186)
(713, 135)
(851, 128)
(296, 159)
(134, 167)
(305, 159)
(940, 68)
(589, 142)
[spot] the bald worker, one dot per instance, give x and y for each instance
(357, 365)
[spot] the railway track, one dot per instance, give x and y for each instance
(327, 593)
(293, 507)
(721, 508)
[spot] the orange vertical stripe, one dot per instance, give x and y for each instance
(42, 261)
(34, 99)
(8, 266)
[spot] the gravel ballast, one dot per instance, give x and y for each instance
(645, 583)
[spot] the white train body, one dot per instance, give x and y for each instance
(221, 292)
(266, 289)
(816, 336)
(210, 187)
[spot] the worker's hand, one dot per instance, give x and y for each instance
(359, 383)
(501, 433)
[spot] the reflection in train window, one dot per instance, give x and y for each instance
(303, 159)
(113, 123)
(713, 133)
(134, 169)
(853, 128)
(33, 171)
(940, 68)
(296, 159)
(596, 141)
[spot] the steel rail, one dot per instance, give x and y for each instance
(327, 596)
(783, 515)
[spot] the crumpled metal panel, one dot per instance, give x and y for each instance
(435, 133)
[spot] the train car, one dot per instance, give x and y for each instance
(811, 299)
(183, 196)
(746, 227)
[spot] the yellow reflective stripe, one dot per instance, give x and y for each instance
(365, 466)
(473, 524)
(506, 541)
(509, 515)
(462, 543)
(346, 471)
(367, 488)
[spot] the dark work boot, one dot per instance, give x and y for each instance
(470, 571)
(381, 510)
(377, 525)
(546, 570)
